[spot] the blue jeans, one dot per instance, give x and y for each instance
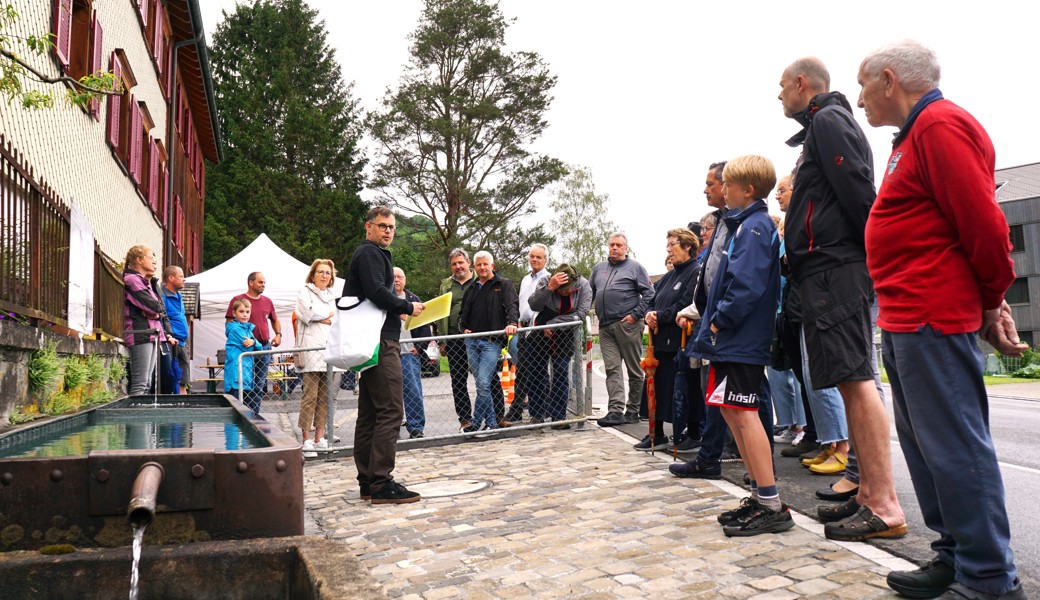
(828, 408)
(942, 419)
(787, 397)
(483, 359)
(261, 363)
(414, 411)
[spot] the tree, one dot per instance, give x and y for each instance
(451, 140)
(292, 168)
(581, 220)
(15, 71)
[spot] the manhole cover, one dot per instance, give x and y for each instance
(450, 487)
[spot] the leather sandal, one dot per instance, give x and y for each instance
(819, 458)
(830, 467)
(836, 512)
(864, 525)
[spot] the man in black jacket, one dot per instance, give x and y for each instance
(489, 305)
(380, 401)
(826, 219)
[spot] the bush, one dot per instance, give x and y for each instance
(44, 369)
(75, 373)
(95, 369)
(1015, 364)
(1028, 372)
(116, 371)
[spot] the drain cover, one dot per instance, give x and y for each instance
(449, 487)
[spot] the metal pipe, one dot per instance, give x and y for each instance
(144, 494)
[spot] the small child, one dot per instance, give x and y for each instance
(735, 333)
(239, 339)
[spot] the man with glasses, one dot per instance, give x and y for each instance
(380, 401)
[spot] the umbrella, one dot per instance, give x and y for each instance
(682, 366)
(649, 366)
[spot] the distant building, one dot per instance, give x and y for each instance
(1018, 193)
(78, 187)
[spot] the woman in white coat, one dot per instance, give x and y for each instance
(315, 307)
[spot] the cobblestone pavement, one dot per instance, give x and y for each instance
(576, 514)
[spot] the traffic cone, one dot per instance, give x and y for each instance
(507, 381)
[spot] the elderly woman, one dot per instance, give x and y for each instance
(315, 307)
(143, 311)
(673, 292)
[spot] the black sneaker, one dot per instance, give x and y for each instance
(747, 506)
(394, 493)
(366, 492)
(612, 419)
(415, 433)
(658, 443)
(800, 448)
(696, 469)
(762, 520)
(929, 581)
(687, 446)
(631, 417)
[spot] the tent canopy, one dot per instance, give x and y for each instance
(285, 278)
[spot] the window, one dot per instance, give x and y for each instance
(1018, 293)
(1018, 238)
(1026, 337)
(78, 41)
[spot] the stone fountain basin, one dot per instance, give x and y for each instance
(289, 568)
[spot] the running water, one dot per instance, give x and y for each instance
(138, 542)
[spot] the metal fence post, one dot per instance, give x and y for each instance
(331, 389)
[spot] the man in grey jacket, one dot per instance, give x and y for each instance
(621, 291)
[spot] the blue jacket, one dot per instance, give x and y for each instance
(744, 294)
(236, 334)
(174, 302)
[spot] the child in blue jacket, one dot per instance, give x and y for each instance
(239, 334)
(735, 333)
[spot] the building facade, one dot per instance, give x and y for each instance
(129, 169)
(1018, 193)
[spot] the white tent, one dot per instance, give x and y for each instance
(285, 278)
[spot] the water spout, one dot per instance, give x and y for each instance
(144, 493)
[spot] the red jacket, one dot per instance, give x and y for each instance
(937, 243)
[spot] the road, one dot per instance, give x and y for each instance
(1015, 424)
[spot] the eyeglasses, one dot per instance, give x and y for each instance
(384, 226)
(672, 244)
(323, 272)
(782, 190)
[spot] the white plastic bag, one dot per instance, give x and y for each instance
(354, 337)
(433, 351)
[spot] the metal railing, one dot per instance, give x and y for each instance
(438, 411)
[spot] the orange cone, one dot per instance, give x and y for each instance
(508, 373)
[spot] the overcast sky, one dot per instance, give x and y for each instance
(650, 94)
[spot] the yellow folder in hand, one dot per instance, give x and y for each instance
(435, 310)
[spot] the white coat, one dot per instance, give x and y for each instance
(313, 333)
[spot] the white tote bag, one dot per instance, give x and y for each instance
(354, 337)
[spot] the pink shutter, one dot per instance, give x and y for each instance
(97, 37)
(63, 30)
(153, 177)
(142, 8)
(134, 141)
(163, 218)
(114, 105)
(177, 222)
(158, 34)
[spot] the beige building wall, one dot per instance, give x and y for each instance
(66, 146)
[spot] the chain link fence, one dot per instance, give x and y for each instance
(539, 379)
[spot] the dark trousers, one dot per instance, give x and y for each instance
(714, 438)
(261, 363)
(525, 382)
(380, 410)
(942, 419)
(458, 368)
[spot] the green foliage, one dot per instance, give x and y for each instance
(581, 223)
(292, 168)
(17, 417)
(44, 369)
(1012, 364)
(95, 369)
(116, 371)
(100, 395)
(15, 71)
(452, 138)
(1031, 371)
(75, 373)
(58, 549)
(59, 404)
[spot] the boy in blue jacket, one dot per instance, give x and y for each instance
(735, 333)
(239, 334)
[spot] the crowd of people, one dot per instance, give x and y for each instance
(764, 330)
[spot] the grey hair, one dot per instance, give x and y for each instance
(709, 220)
(618, 234)
(716, 169)
(916, 65)
(458, 252)
(484, 254)
(541, 246)
(814, 71)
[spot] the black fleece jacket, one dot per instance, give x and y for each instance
(371, 276)
(489, 307)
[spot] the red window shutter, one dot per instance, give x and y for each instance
(63, 30)
(158, 34)
(97, 37)
(114, 105)
(197, 262)
(142, 7)
(134, 140)
(177, 223)
(154, 178)
(165, 194)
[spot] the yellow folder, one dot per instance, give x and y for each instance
(435, 310)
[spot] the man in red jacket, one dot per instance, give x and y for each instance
(939, 253)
